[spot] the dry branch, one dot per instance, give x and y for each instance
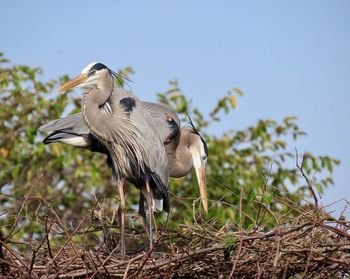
(308, 246)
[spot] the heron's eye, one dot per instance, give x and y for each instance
(204, 157)
(91, 73)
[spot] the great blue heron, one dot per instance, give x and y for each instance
(185, 147)
(125, 131)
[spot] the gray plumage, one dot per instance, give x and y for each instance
(178, 141)
(114, 122)
(72, 129)
(139, 148)
(165, 119)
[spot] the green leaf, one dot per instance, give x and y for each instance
(267, 199)
(329, 165)
(250, 197)
(229, 242)
(239, 91)
(237, 157)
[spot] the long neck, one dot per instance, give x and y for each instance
(95, 119)
(179, 156)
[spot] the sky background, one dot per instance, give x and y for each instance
(288, 57)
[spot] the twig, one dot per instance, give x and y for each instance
(35, 183)
(97, 270)
(47, 231)
(70, 238)
(4, 265)
(241, 235)
(59, 222)
(147, 255)
(300, 167)
(15, 256)
(34, 255)
(310, 253)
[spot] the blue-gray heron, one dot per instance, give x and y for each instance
(126, 132)
(185, 148)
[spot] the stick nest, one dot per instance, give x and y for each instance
(313, 245)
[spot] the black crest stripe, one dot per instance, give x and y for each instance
(128, 104)
(97, 67)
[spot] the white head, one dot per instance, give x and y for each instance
(94, 75)
(199, 152)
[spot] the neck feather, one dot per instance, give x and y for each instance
(125, 146)
(179, 156)
(95, 119)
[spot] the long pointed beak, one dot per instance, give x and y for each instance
(73, 83)
(202, 177)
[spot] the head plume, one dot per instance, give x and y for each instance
(195, 131)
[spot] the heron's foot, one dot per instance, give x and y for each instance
(122, 250)
(145, 225)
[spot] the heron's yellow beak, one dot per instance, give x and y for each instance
(202, 182)
(73, 83)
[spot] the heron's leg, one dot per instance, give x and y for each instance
(150, 212)
(121, 212)
(142, 214)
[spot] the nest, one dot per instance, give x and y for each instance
(313, 245)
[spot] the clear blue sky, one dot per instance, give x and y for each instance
(289, 57)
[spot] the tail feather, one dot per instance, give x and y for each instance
(158, 205)
(160, 193)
